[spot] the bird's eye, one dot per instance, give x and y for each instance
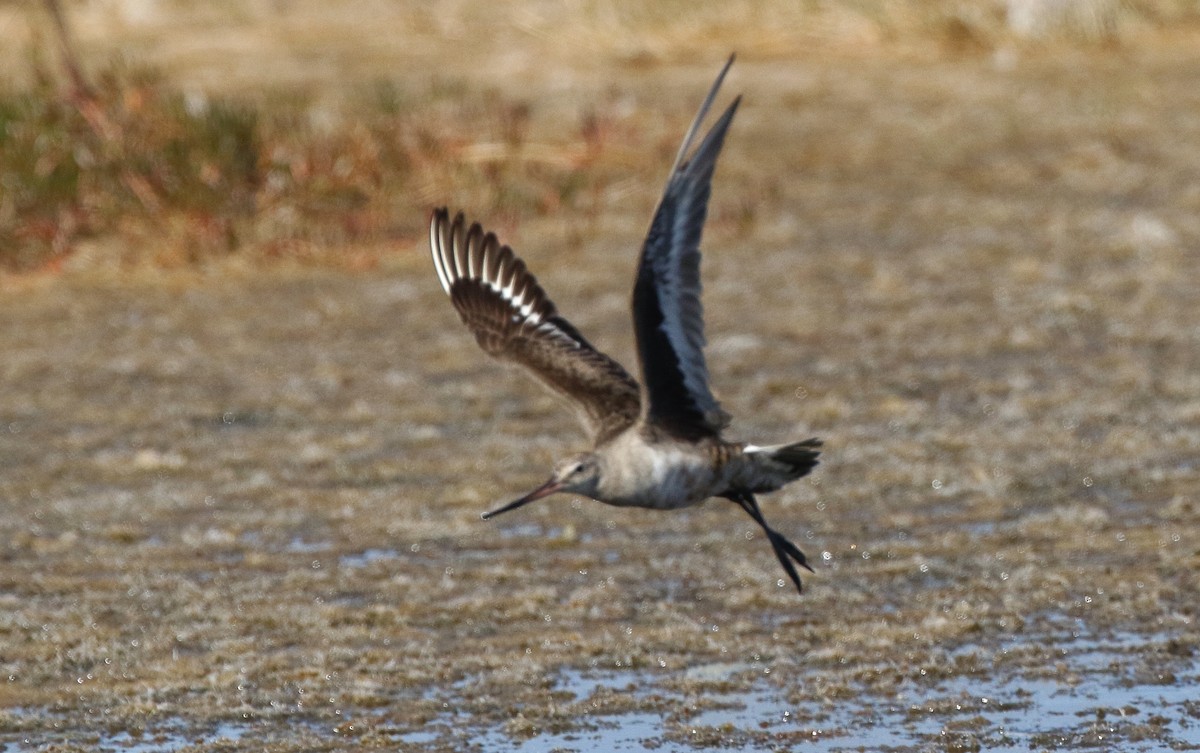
(577, 469)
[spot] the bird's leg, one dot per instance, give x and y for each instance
(784, 549)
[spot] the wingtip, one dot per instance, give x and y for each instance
(692, 132)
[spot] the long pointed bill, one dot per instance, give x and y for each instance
(545, 490)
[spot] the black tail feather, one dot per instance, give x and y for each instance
(801, 456)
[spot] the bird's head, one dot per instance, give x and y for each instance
(578, 474)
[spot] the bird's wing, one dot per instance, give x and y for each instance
(513, 319)
(668, 316)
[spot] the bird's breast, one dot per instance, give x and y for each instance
(659, 476)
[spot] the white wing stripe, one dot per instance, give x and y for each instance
(444, 252)
(485, 261)
(508, 292)
(461, 249)
(472, 252)
(436, 243)
(461, 255)
(458, 255)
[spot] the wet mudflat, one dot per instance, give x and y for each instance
(240, 505)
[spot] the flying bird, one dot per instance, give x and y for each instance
(656, 444)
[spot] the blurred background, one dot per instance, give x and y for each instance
(169, 132)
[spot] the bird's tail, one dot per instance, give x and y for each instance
(799, 457)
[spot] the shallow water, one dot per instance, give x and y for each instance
(1100, 698)
(1101, 692)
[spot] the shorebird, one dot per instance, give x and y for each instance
(657, 444)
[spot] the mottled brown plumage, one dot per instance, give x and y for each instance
(513, 319)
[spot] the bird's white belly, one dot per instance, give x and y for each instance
(660, 477)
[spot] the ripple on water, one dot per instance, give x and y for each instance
(1107, 692)
(1099, 695)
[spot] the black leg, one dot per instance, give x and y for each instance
(785, 551)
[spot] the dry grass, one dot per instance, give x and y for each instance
(245, 494)
(140, 173)
(306, 132)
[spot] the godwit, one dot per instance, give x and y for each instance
(657, 445)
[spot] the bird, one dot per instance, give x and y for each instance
(656, 444)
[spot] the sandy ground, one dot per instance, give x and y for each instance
(240, 505)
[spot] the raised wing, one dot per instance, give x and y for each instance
(513, 319)
(668, 316)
